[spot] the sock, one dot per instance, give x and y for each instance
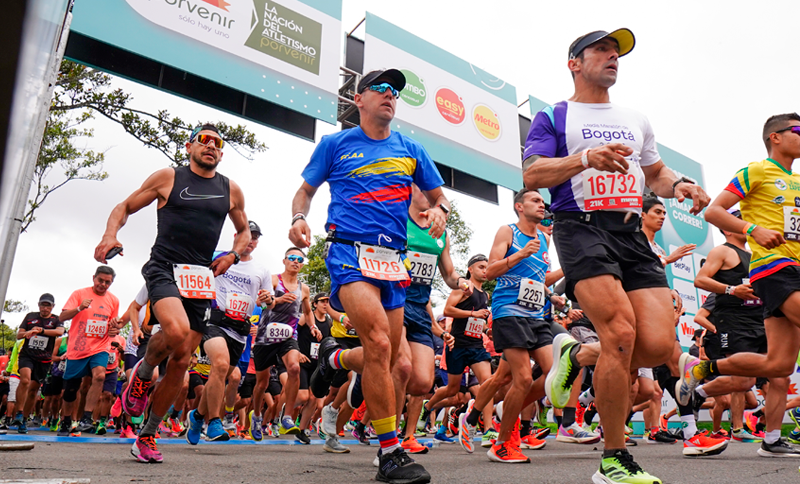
(705, 369)
(176, 413)
(568, 417)
(473, 417)
(145, 371)
(759, 413)
(67, 422)
(199, 416)
(613, 452)
(524, 428)
(772, 436)
(700, 391)
(360, 426)
(228, 409)
(558, 420)
(151, 426)
(87, 416)
(589, 414)
(587, 397)
(654, 430)
(627, 422)
(335, 359)
(689, 426)
(387, 434)
(425, 414)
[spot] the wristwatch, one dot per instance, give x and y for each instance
(236, 257)
(730, 289)
(444, 208)
(682, 179)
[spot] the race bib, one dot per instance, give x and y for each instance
(194, 282)
(474, 328)
(749, 302)
(96, 328)
(62, 365)
(112, 358)
(277, 332)
(531, 294)
(352, 332)
(422, 267)
(238, 306)
(314, 350)
(38, 342)
(604, 190)
(791, 223)
(380, 263)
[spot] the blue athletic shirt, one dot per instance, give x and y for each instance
(568, 127)
(370, 183)
(504, 298)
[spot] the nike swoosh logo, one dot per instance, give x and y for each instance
(185, 195)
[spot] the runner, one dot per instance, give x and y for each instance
(768, 194)
(596, 178)
(370, 170)
(309, 340)
(193, 202)
(239, 290)
(94, 314)
(39, 331)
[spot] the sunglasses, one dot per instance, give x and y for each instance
(207, 139)
(296, 258)
(381, 88)
(547, 222)
(794, 129)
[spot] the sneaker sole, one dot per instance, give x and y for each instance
(417, 480)
(532, 447)
(764, 453)
(494, 458)
(326, 448)
(551, 375)
(715, 450)
(573, 440)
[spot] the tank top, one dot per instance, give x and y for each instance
(286, 313)
(190, 223)
(729, 309)
(465, 330)
(423, 254)
(309, 345)
(532, 270)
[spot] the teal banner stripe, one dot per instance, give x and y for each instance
(536, 105)
(437, 56)
(332, 8)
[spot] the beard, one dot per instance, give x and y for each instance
(203, 163)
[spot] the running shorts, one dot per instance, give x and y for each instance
(775, 288)
(160, 281)
(342, 263)
(235, 348)
(516, 332)
(269, 355)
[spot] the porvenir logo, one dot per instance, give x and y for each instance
(414, 94)
(486, 121)
(450, 106)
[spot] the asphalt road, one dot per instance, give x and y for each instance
(268, 462)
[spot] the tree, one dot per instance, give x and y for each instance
(14, 306)
(81, 93)
(314, 271)
(8, 335)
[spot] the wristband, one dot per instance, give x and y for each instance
(729, 290)
(341, 319)
(298, 216)
(751, 229)
(746, 228)
(585, 158)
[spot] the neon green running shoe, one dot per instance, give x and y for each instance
(794, 436)
(54, 424)
(620, 468)
(565, 369)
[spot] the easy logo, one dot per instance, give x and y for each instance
(450, 106)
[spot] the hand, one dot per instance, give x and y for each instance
(113, 330)
(137, 333)
(558, 301)
(286, 298)
(300, 234)
(107, 243)
(316, 333)
(253, 330)
(264, 297)
(346, 323)
(466, 286)
(303, 359)
(85, 304)
(769, 239)
(481, 313)
(575, 314)
(744, 291)
(221, 265)
(37, 330)
(680, 253)
(437, 221)
(449, 340)
(530, 248)
(610, 157)
(489, 334)
(699, 197)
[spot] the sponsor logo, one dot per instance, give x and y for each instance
(608, 134)
(185, 195)
(486, 121)
(687, 329)
(414, 94)
(351, 155)
(440, 243)
(286, 35)
(779, 199)
(546, 258)
(780, 184)
(450, 106)
(219, 4)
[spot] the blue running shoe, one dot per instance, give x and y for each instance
(216, 432)
(441, 436)
(195, 429)
(288, 426)
(795, 415)
(794, 437)
(255, 427)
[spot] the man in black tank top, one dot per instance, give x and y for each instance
(739, 320)
(192, 204)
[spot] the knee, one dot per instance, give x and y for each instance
(378, 348)
(293, 369)
(779, 369)
(743, 384)
(779, 384)
(523, 381)
(98, 379)
(71, 388)
(179, 360)
(622, 337)
(402, 370)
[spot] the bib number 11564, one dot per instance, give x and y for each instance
(195, 282)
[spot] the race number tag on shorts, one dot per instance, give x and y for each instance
(96, 328)
(531, 294)
(381, 263)
(238, 306)
(604, 190)
(352, 332)
(791, 223)
(62, 365)
(474, 328)
(194, 282)
(155, 329)
(422, 267)
(38, 342)
(314, 350)
(277, 332)
(749, 302)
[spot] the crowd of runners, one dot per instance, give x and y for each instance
(219, 347)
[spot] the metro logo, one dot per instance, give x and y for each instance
(450, 106)
(486, 121)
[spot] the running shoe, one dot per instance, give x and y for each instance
(506, 453)
(303, 437)
(531, 442)
(288, 426)
(580, 410)
(398, 467)
(750, 422)
(702, 445)
(355, 397)
(323, 375)
(63, 430)
(22, 428)
(659, 437)
(145, 450)
(176, 427)
(275, 430)
(101, 428)
(162, 428)
(85, 425)
(422, 423)
(134, 397)
(565, 369)
(692, 371)
(127, 433)
(216, 432)
(540, 432)
(720, 434)
(412, 446)
(53, 425)
(794, 437)
(574, 434)
(420, 434)
(73, 431)
(664, 422)
(3, 424)
(329, 416)
(333, 446)
(780, 448)
(466, 432)
(195, 429)
(255, 427)
(794, 414)
(488, 438)
(621, 468)
(229, 425)
(742, 435)
(116, 409)
(441, 436)
(360, 434)
(320, 432)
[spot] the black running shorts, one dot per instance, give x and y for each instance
(775, 288)
(160, 281)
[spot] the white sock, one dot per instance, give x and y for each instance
(689, 426)
(772, 436)
(498, 410)
(701, 392)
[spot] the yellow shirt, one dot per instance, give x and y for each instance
(339, 331)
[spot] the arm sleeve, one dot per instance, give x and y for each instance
(266, 281)
(542, 138)
(317, 170)
(24, 324)
(710, 302)
(649, 155)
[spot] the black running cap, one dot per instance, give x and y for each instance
(395, 78)
(624, 38)
(255, 228)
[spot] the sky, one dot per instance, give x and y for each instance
(706, 74)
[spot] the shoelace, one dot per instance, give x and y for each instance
(140, 387)
(149, 442)
(401, 458)
(626, 461)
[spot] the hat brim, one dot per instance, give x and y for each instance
(393, 77)
(625, 39)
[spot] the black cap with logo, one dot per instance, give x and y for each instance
(320, 295)
(254, 227)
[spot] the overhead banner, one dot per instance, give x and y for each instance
(285, 52)
(465, 117)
